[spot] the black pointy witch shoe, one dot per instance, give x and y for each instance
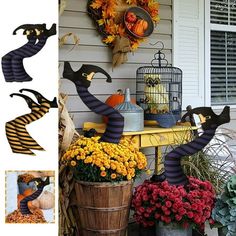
(208, 116)
(84, 75)
(31, 103)
(40, 98)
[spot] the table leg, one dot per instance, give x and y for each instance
(158, 161)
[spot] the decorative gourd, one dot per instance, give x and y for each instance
(34, 204)
(144, 24)
(139, 27)
(46, 200)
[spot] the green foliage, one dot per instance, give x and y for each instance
(205, 167)
(224, 211)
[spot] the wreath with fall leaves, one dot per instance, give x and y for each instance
(107, 15)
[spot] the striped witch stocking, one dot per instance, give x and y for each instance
(7, 59)
(12, 135)
(43, 34)
(14, 141)
(20, 75)
(210, 121)
(82, 79)
(12, 63)
(20, 124)
(24, 209)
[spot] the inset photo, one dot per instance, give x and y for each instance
(30, 197)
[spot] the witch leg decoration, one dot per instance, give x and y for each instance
(42, 34)
(16, 142)
(24, 209)
(210, 121)
(82, 80)
(19, 124)
(12, 62)
(7, 59)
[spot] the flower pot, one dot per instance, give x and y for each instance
(220, 232)
(103, 208)
(172, 229)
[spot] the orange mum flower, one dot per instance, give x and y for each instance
(103, 173)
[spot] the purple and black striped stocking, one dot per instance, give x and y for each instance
(173, 170)
(24, 209)
(20, 75)
(82, 79)
(115, 123)
(7, 59)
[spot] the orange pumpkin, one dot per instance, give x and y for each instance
(145, 24)
(28, 192)
(115, 99)
(139, 27)
(19, 198)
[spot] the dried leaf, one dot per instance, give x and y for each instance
(64, 39)
(62, 6)
(67, 127)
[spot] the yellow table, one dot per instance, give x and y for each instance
(152, 137)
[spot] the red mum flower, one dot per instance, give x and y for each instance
(168, 204)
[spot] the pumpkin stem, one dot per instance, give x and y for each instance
(119, 91)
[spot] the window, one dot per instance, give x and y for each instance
(223, 52)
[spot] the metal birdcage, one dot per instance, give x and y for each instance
(159, 91)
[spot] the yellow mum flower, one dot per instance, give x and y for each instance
(73, 163)
(129, 177)
(113, 175)
(88, 160)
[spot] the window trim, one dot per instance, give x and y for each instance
(208, 27)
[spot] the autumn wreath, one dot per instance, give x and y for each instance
(107, 15)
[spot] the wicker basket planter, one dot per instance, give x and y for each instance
(103, 208)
